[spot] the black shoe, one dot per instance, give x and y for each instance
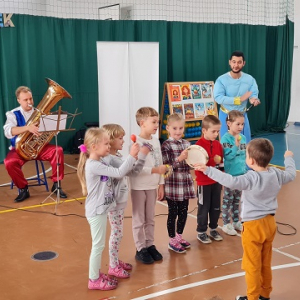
(55, 188)
(154, 253)
(263, 298)
(144, 257)
(23, 194)
(241, 298)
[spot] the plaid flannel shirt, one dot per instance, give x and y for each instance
(179, 186)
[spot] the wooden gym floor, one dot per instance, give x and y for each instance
(203, 272)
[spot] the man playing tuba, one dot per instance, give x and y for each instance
(15, 124)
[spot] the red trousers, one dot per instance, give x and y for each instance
(14, 162)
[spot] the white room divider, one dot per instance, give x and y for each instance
(128, 74)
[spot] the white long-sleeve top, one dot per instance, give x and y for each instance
(11, 120)
(145, 180)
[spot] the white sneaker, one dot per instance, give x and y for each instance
(228, 228)
(238, 226)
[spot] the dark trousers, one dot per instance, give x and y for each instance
(210, 207)
(177, 209)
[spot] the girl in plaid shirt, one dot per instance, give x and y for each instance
(179, 186)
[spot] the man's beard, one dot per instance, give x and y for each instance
(236, 72)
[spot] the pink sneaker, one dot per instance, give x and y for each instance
(119, 272)
(125, 266)
(176, 246)
(185, 244)
(101, 284)
(113, 280)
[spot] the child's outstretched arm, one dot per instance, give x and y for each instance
(134, 150)
(290, 169)
(138, 166)
(241, 182)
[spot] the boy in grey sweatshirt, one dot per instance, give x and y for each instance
(260, 187)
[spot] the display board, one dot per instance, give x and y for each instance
(194, 100)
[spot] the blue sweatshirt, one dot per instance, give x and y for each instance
(234, 157)
(227, 88)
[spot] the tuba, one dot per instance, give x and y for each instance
(29, 145)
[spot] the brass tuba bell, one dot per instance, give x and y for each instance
(29, 145)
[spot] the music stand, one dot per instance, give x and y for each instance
(56, 123)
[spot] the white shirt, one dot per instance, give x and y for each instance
(11, 120)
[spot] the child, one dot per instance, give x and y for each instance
(116, 133)
(234, 146)
(209, 191)
(259, 203)
(95, 177)
(179, 187)
(144, 192)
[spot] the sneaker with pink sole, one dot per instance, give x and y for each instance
(125, 266)
(101, 284)
(185, 244)
(118, 272)
(176, 246)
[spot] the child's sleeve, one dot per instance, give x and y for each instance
(242, 182)
(289, 174)
(106, 170)
(138, 166)
(230, 151)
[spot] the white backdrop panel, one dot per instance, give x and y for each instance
(113, 83)
(128, 79)
(143, 78)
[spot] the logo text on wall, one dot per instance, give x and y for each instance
(6, 21)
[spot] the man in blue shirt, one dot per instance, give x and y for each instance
(232, 91)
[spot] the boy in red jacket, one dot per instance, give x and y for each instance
(208, 190)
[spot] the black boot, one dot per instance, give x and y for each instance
(55, 188)
(23, 194)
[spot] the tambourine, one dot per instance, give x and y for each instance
(196, 154)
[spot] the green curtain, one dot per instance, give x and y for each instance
(65, 51)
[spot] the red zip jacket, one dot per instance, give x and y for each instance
(212, 148)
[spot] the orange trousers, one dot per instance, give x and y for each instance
(257, 239)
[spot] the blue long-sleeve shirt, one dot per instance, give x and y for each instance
(234, 156)
(227, 88)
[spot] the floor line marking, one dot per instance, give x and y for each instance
(286, 254)
(40, 205)
(208, 281)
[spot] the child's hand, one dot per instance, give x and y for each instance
(145, 149)
(134, 150)
(183, 155)
(160, 192)
(238, 140)
(288, 153)
(162, 169)
(200, 167)
(217, 159)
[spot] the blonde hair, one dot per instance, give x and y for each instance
(174, 118)
(92, 136)
(22, 89)
(145, 112)
(114, 131)
(261, 150)
(209, 121)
